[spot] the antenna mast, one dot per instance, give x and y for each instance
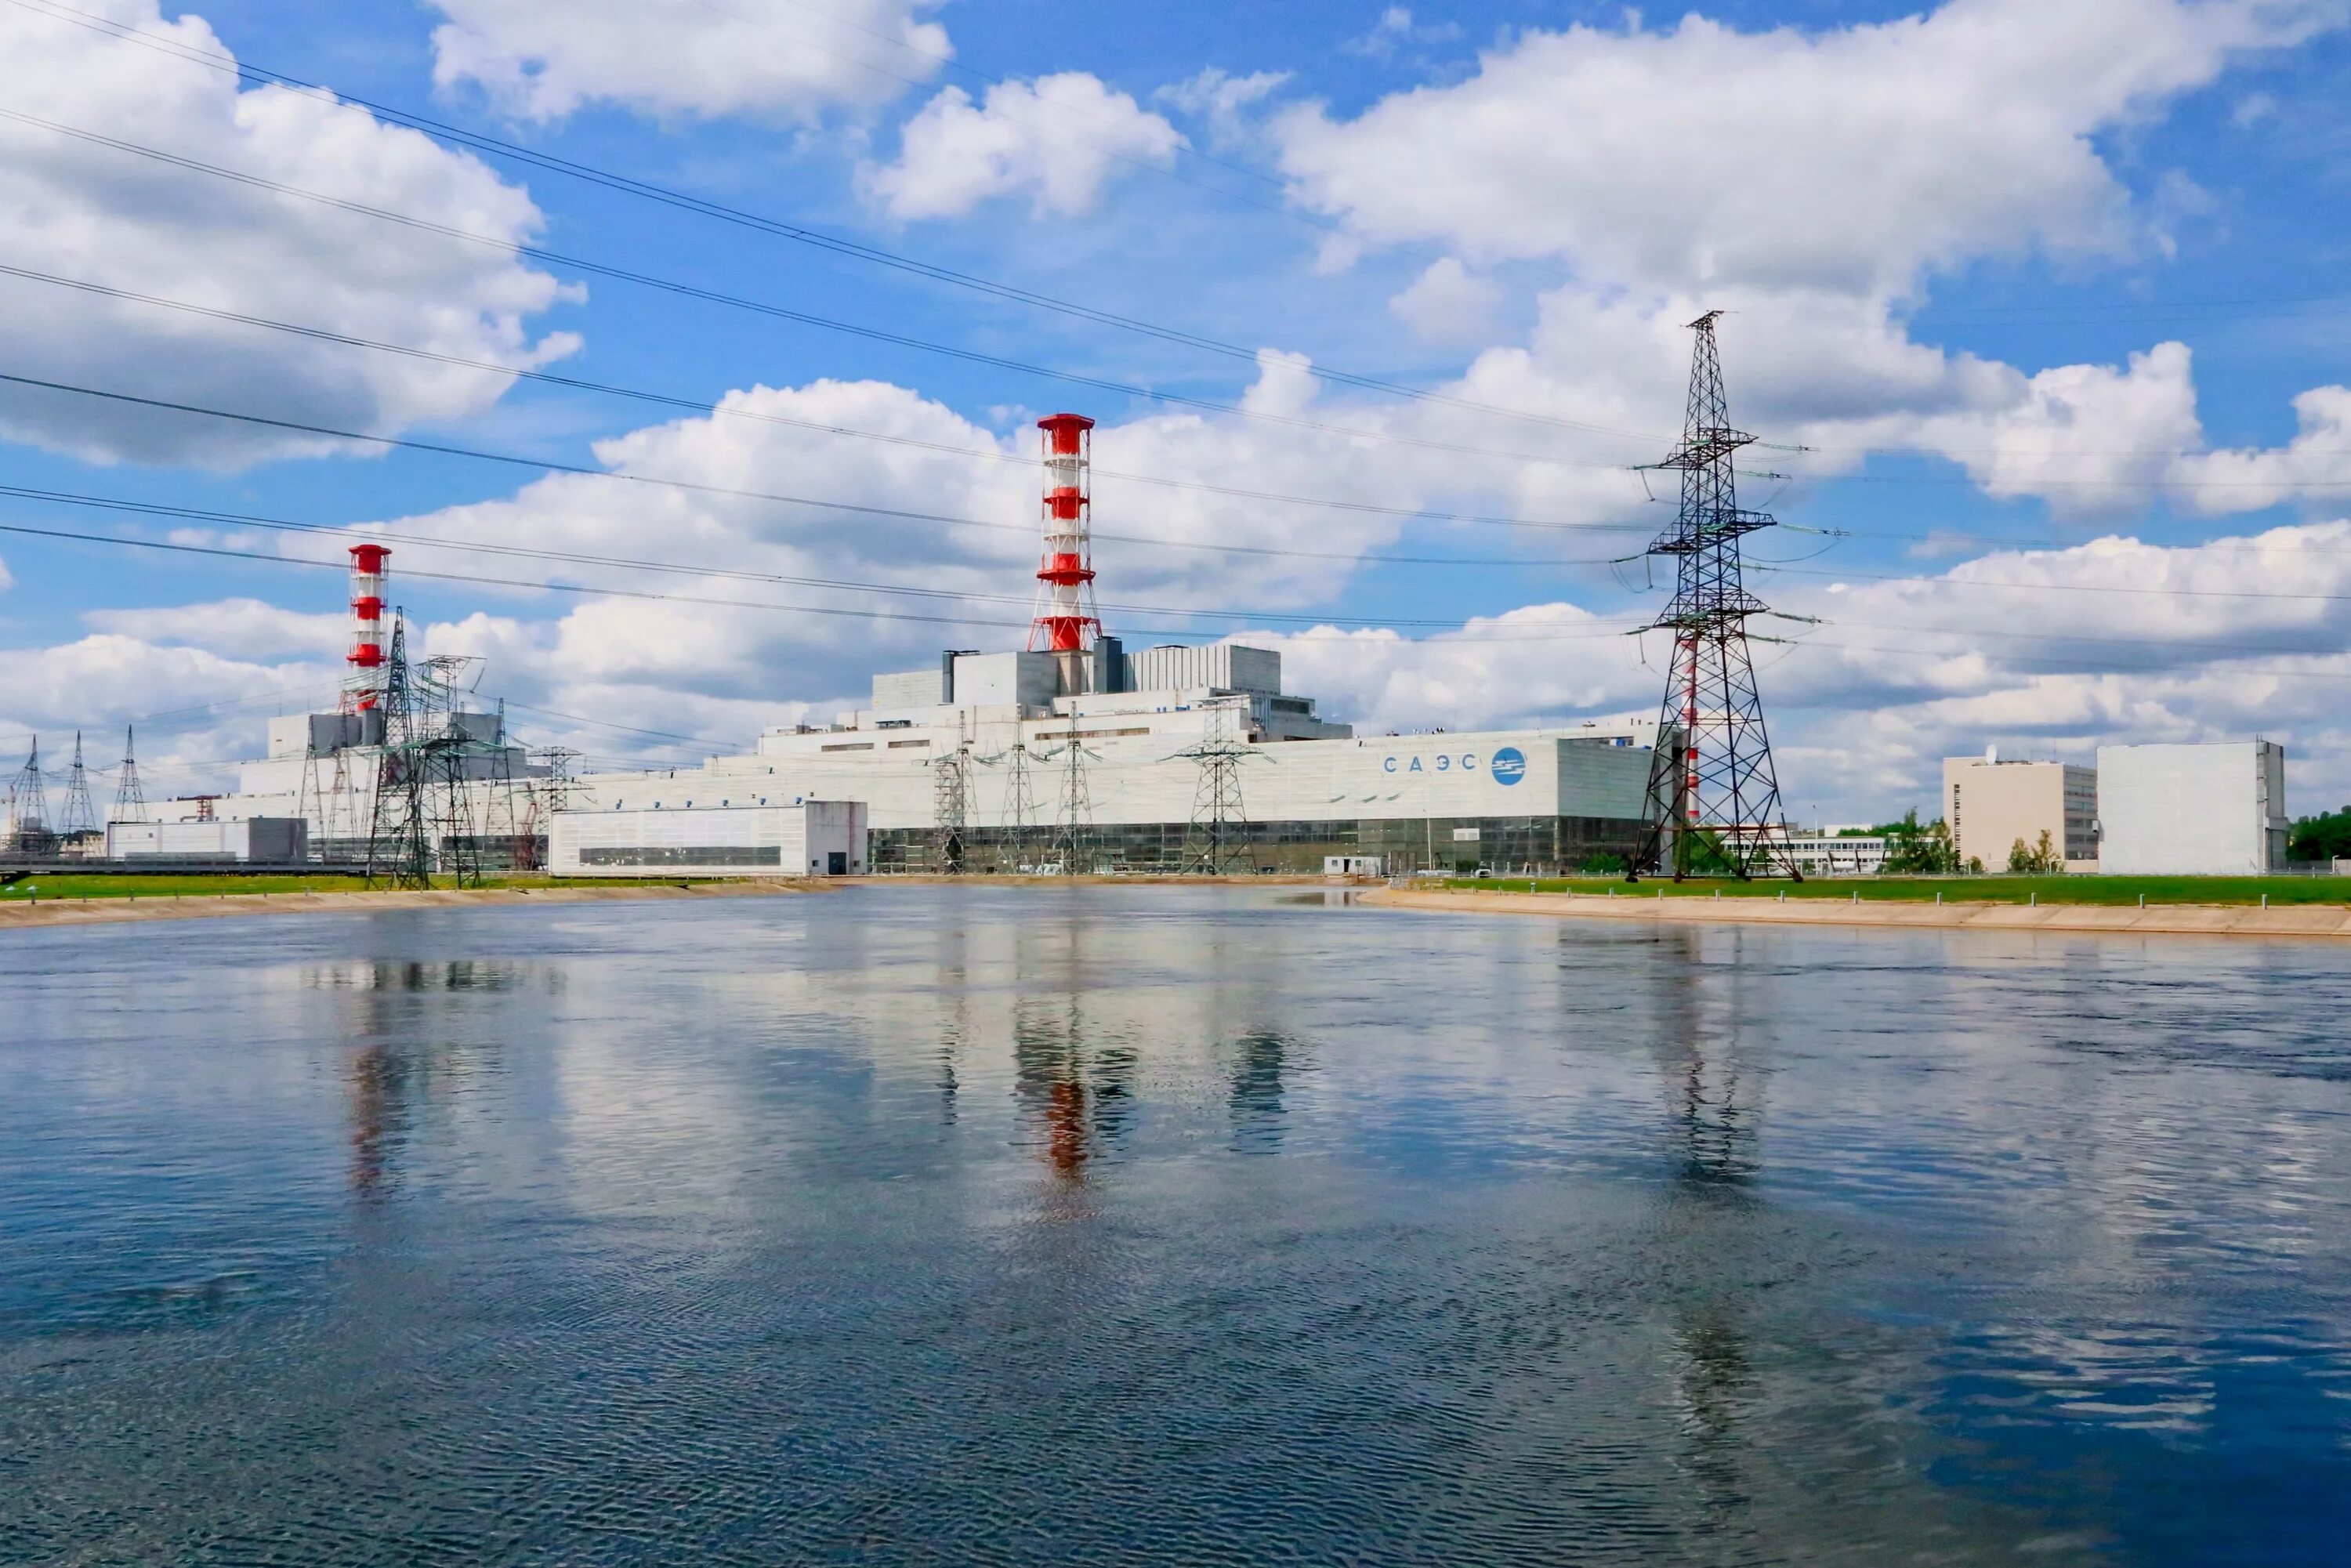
(1714, 797)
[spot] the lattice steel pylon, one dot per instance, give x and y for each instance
(1072, 846)
(400, 846)
(950, 808)
(1017, 820)
(501, 824)
(80, 816)
(1714, 797)
(1218, 833)
(28, 807)
(130, 799)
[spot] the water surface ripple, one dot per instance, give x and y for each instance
(1101, 1226)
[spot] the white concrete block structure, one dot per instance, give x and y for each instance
(256, 840)
(815, 837)
(2192, 810)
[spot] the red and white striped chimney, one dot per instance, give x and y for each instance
(363, 688)
(1066, 622)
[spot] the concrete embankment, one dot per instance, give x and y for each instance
(200, 906)
(2169, 919)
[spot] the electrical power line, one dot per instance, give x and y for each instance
(1179, 145)
(701, 406)
(435, 541)
(879, 256)
(537, 252)
(1312, 623)
(2060, 587)
(688, 569)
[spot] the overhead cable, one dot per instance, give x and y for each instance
(1314, 624)
(701, 406)
(800, 233)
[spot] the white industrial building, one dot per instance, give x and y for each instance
(1556, 797)
(1831, 854)
(2192, 810)
(815, 837)
(1073, 753)
(244, 841)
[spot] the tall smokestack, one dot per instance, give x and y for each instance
(1066, 625)
(363, 688)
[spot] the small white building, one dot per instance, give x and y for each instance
(813, 838)
(1830, 854)
(1354, 865)
(258, 841)
(2192, 810)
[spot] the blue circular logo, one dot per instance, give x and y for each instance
(1509, 765)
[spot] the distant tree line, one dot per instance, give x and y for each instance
(2326, 837)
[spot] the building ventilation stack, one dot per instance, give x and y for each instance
(363, 688)
(1066, 625)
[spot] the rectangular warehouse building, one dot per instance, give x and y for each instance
(255, 840)
(2192, 810)
(815, 837)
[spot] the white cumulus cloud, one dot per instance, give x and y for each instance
(1448, 304)
(771, 60)
(1848, 158)
(1056, 140)
(72, 209)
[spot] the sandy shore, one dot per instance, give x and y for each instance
(104, 911)
(2169, 919)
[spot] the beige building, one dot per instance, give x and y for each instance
(1991, 804)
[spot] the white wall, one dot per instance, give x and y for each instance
(1030, 680)
(713, 841)
(1227, 666)
(272, 841)
(2191, 811)
(909, 689)
(1145, 778)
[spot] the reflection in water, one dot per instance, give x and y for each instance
(379, 1114)
(1180, 1225)
(1255, 1095)
(389, 1067)
(1073, 1092)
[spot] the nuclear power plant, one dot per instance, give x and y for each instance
(1073, 754)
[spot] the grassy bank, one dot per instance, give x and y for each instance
(164, 884)
(2084, 890)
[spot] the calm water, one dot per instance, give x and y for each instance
(1049, 1226)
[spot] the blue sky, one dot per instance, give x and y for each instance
(2049, 296)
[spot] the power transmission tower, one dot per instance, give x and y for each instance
(950, 806)
(28, 807)
(1714, 798)
(399, 849)
(544, 798)
(456, 836)
(81, 815)
(1218, 833)
(1017, 822)
(502, 848)
(1073, 844)
(560, 785)
(130, 800)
